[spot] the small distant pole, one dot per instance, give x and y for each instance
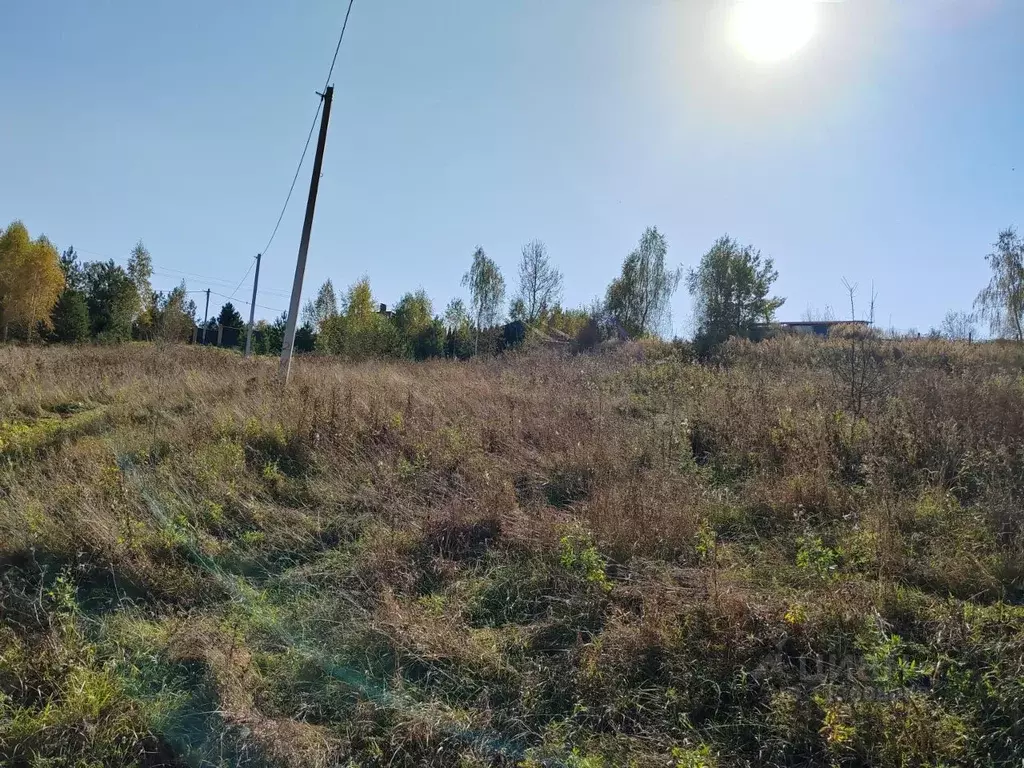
(307, 228)
(252, 307)
(206, 314)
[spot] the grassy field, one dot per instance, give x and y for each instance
(807, 554)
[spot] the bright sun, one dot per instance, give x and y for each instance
(770, 30)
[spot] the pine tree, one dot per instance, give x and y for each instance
(229, 317)
(730, 290)
(112, 299)
(71, 318)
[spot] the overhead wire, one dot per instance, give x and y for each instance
(157, 267)
(208, 279)
(251, 265)
(247, 303)
(162, 270)
(242, 291)
(337, 48)
(218, 283)
(288, 197)
(295, 178)
(302, 157)
(312, 128)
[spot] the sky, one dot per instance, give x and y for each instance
(889, 150)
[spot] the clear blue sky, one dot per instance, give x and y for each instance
(884, 151)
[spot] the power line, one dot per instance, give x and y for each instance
(312, 128)
(207, 278)
(338, 46)
(157, 268)
(227, 284)
(251, 265)
(160, 270)
(213, 281)
(302, 157)
(288, 197)
(294, 179)
(247, 303)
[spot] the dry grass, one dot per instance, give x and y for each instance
(627, 559)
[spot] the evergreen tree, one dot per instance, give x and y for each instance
(458, 327)
(229, 317)
(305, 338)
(74, 276)
(730, 292)
(268, 338)
(112, 299)
(71, 318)
(429, 341)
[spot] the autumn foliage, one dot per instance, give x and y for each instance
(31, 280)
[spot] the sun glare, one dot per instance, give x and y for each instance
(770, 30)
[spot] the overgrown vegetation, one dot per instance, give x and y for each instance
(51, 298)
(623, 559)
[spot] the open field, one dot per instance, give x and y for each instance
(809, 554)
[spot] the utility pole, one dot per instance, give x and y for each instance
(206, 313)
(252, 307)
(307, 227)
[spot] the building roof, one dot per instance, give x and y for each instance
(820, 322)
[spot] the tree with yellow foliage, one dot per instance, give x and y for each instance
(31, 280)
(360, 331)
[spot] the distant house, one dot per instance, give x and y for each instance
(810, 327)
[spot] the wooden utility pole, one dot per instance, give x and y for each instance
(206, 313)
(307, 227)
(252, 307)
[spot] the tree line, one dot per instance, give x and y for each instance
(731, 287)
(48, 296)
